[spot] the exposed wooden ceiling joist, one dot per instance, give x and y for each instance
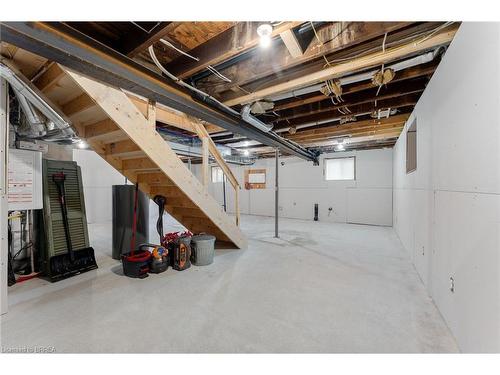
(140, 41)
(375, 129)
(367, 96)
(365, 62)
(340, 129)
(358, 110)
(292, 44)
(407, 74)
(263, 63)
(236, 40)
(395, 38)
(382, 135)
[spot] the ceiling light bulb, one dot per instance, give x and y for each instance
(264, 31)
(265, 41)
(246, 152)
(340, 147)
(82, 144)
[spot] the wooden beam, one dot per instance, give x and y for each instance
(326, 119)
(123, 148)
(202, 133)
(217, 156)
(151, 114)
(381, 135)
(337, 130)
(105, 129)
(164, 114)
(168, 191)
(407, 74)
(189, 212)
(227, 44)
(139, 164)
(367, 130)
(349, 102)
(292, 44)
(185, 203)
(336, 36)
(169, 116)
(205, 162)
(49, 78)
(155, 178)
(77, 105)
(125, 114)
(365, 62)
(139, 42)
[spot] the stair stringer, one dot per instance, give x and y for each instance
(118, 107)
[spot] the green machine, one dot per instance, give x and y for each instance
(64, 239)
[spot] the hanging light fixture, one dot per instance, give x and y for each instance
(264, 31)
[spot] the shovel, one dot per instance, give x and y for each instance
(74, 261)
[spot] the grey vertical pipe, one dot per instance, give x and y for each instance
(276, 195)
(224, 191)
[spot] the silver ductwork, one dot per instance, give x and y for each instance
(55, 126)
(245, 115)
(35, 121)
(245, 112)
(196, 151)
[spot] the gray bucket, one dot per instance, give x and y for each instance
(203, 249)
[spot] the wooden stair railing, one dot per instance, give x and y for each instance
(209, 147)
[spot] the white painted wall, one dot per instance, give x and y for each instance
(367, 200)
(447, 212)
(98, 178)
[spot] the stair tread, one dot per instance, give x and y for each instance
(112, 137)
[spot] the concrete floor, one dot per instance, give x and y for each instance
(321, 287)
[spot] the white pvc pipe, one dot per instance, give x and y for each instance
(414, 61)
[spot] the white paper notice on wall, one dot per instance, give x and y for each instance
(25, 180)
(257, 178)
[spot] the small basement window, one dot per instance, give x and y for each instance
(339, 169)
(217, 174)
(411, 147)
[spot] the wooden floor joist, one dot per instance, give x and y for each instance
(228, 66)
(374, 59)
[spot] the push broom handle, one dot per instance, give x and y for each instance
(64, 211)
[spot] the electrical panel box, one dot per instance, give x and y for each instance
(25, 180)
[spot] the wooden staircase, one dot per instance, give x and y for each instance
(121, 128)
